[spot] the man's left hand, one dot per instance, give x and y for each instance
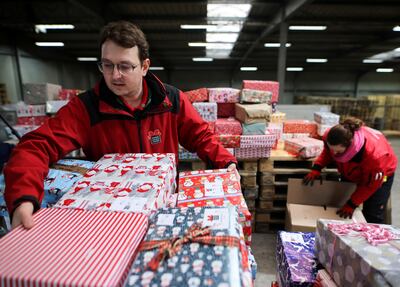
(232, 167)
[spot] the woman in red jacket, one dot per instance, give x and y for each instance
(365, 157)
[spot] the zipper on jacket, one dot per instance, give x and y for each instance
(139, 127)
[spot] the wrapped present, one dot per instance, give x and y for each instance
(33, 121)
(226, 110)
(253, 264)
(269, 86)
(214, 188)
(38, 94)
(277, 130)
(300, 126)
(289, 136)
(68, 94)
(304, 147)
(185, 154)
(321, 129)
(208, 111)
(255, 96)
(326, 118)
(229, 141)
(213, 256)
(52, 107)
(295, 258)
(228, 126)
(173, 199)
(211, 126)
(223, 95)
(276, 117)
(359, 254)
(267, 140)
(133, 182)
(254, 129)
(198, 95)
(324, 279)
(255, 113)
(72, 248)
(24, 110)
(252, 153)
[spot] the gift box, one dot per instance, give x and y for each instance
(173, 199)
(254, 129)
(223, 95)
(255, 96)
(24, 110)
(228, 126)
(255, 113)
(68, 94)
(185, 154)
(220, 260)
(52, 107)
(304, 147)
(253, 264)
(269, 86)
(32, 121)
(132, 182)
(229, 141)
(198, 95)
(208, 111)
(252, 153)
(326, 118)
(276, 117)
(226, 110)
(321, 129)
(324, 279)
(38, 94)
(267, 140)
(295, 258)
(72, 248)
(214, 188)
(300, 126)
(359, 254)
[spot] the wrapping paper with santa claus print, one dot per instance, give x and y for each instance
(194, 264)
(223, 95)
(228, 126)
(208, 111)
(229, 141)
(214, 188)
(253, 152)
(267, 140)
(132, 182)
(255, 96)
(300, 126)
(304, 147)
(269, 86)
(198, 95)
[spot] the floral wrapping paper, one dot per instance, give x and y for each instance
(352, 261)
(252, 153)
(195, 264)
(326, 118)
(208, 111)
(226, 110)
(300, 126)
(223, 95)
(276, 117)
(198, 95)
(131, 182)
(229, 141)
(252, 113)
(304, 147)
(295, 258)
(214, 188)
(321, 129)
(269, 86)
(255, 96)
(228, 126)
(254, 129)
(267, 140)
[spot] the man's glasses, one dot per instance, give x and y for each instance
(123, 68)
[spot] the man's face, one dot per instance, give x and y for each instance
(128, 84)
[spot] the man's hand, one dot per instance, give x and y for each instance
(23, 214)
(310, 177)
(232, 167)
(347, 210)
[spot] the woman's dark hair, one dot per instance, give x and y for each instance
(127, 35)
(342, 134)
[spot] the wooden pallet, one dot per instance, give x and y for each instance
(270, 191)
(268, 216)
(271, 227)
(276, 203)
(248, 179)
(248, 165)
(251, 192)
(187, 165)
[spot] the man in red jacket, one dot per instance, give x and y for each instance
(365, 157)
(129, 110)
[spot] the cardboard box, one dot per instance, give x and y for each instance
(306, 204)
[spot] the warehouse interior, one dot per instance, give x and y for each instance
(316, 49)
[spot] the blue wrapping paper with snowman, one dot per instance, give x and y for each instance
(174, 252)
(296, 261)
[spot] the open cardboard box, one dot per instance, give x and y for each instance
(305, 204)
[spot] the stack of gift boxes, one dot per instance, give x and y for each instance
(124, 209)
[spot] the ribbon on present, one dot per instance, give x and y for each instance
(196, 233)
(71, 168)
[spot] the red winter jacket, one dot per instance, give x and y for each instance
(368, 168)
(100, 123)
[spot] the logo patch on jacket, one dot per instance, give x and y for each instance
(154, 136)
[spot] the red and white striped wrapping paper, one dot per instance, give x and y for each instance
(304, 147)
(270, 86)
(252, 152)
(69, 247)
(223, 95)
(267, 140)
(229, 126)
(208, 111)
(198, 95)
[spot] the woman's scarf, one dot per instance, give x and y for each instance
(355, 146)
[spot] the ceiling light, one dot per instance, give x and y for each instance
(248, 69)
(372, 61)
(228, 10)
(86, 59)
(276, 45)
(307, 28)
(396, 28)
(224, 27)
(202, 59)
(316, 60)
(44, 27)
(384, 70)
(213, 46)
(294, 69)
(222, 37)
(49, 44)
(195, 27)
(156, 68)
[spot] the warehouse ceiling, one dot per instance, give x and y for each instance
(355, 30)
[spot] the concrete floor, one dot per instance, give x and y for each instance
(264, 245)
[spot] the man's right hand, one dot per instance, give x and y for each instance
(23, 215)
(313, 175)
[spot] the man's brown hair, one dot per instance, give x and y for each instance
(127, 35)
